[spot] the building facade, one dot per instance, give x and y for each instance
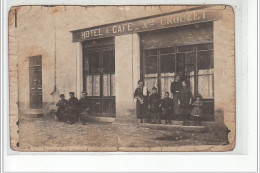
(106, 50)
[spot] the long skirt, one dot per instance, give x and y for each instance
(176, 106)
(139, 110)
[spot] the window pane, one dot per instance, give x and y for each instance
(206, 46)
(94, 63)
(89, 85)
(150, 52)
(180, 63)
(190, 62)
(86, 66)
(96, 85)
(106, 84)
(167, 50)
(167, 63)
(109, 61)
(205, 60)
(150, 65)
(112, 69)
(113, 85)
(185, 48)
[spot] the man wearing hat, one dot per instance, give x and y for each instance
(73, 102)
(63, 108)
(84, 107)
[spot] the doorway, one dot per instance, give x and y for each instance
(99, 79)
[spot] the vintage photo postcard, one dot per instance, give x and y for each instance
(122, 78)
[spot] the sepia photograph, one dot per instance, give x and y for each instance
(155, 78)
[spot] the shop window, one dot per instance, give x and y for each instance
(184, 62)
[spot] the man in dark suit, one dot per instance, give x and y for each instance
(84, 107)
(73, 102)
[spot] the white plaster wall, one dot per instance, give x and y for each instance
(224, 71)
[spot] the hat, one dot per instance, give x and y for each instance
(84, 92)
(62, 95)
(71, 93)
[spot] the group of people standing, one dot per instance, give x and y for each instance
(152, 106)
(73, 110)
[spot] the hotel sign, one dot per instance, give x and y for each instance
(146, 24)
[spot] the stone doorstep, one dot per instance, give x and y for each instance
(175, 127)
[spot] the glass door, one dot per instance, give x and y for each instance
(99, 79)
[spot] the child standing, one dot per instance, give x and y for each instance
(167, 105)
(154, 106)
(197, 110)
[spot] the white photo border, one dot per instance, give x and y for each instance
(243, 159)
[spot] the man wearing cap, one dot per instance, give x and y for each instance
(73, 102)
(84, 107)
(63, 108)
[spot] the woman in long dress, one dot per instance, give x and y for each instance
(175, 90)
(141, 101)
(185, 102)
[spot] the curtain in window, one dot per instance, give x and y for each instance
(151, 81)
(96, 85)
(113, 85)
(205, 83)
(106, 84)
(89, 85)
(166, 80)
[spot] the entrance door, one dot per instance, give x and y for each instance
(99, 79)
(35, 82)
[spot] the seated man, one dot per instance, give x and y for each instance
(63, 108)
(84, 107)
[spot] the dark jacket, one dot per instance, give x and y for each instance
(167, 103)
(185, 96)
(83, 104)
(73, 102)
(154, 102)
(175, 87)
